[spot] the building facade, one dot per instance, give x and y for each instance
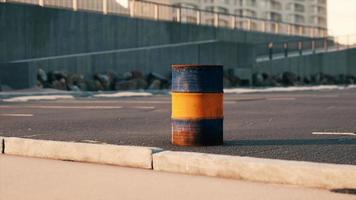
(303, 12)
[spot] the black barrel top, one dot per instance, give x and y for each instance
(197, 78)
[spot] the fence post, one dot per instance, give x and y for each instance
(270, 50)
(179, 10)
(300, 48)
(75, 5)
(216, 19)
(105, 7)
(277, 28)
(301, 30)
(326, 44)
(264, 28)
(285, 46)
(156, 10)
(313, 46)
(132, 8)
(249, 24)
(198, 17)
(41, 3)
(233, 21)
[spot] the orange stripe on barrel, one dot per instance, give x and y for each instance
(197, 105)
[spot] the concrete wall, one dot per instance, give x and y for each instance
(351, 61)
(29, 31)
(332, 63)
(18, 76)
(231, 55)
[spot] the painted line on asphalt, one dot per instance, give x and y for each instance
(16, 115)
(66, 107)
(93, 142)
(35, 135)
(250, 99)
(281, 99)
(143, 107)
(333, 133)
(109, 101)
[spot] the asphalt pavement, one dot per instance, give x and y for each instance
(267, 125)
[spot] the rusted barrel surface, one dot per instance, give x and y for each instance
(197, 105)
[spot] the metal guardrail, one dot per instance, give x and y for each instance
(280, 50)
(165, 12)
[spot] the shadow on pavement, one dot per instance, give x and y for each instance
(345, 191)
(339, 141)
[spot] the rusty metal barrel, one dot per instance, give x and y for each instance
(197, 105)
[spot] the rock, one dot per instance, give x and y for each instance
(289, 79)
(59, 84)
(306, 80)
(127, 76)
(155, 85)
(268, 80)
(42, 76)
(233, 80)
(74, 88)
(131, 84)
(141, 83)
(90, 85)
(105, 81)
(227, 83)
(155, 76)
(76, 80)
(244, 83)
(60, 75)
(257, 79)
(164, 82)
(98, 86)
(350, 79)
(315, 78)
(137, 74)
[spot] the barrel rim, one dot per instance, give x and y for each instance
(195, 65)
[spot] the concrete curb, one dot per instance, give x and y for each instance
(306, 174)
(126, 156)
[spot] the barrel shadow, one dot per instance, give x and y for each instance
(350, 191)
(340, 141)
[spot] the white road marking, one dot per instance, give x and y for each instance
(281, 99)
(66, 107)
(125, 94)
(143, 107)
(34, 135)
(17, 115)
(229, 102)
(107, 102)
(333, 133)
(92, 141)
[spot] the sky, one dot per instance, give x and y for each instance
(342, 17)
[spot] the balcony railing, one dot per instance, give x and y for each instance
(165, 12)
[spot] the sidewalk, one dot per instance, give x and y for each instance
(37, 179)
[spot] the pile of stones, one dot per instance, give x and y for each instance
(133, 80)
(136, 80)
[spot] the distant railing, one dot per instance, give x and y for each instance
(279, 50)
(165, 12)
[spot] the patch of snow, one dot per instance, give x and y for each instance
(37, 98)
(286, 89)
(125, 94)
